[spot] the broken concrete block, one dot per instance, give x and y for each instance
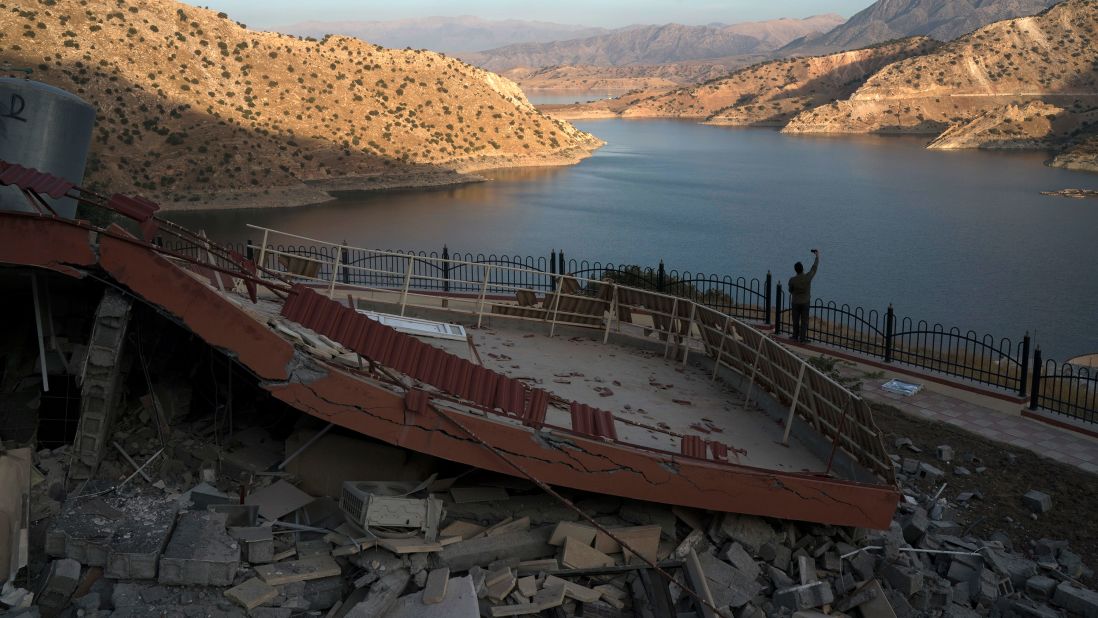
(905, 579)
(435, 590)
(915, 526)
(805, 596)
(316, 567)
(1076, 600)
(806, 569)
(460, 601)
(945, 453)
(729, 585)
(256, 543)
(738, 557)
(61, 582)
(252, 593)
(382, 595)
(200, 552)
(1037, 501)
(139, 538)
(1017, 568)
(239, 515)
(866, 593)
(582, 533)
(528, 545)
(751, 532)
(204, 495)
(928, 471)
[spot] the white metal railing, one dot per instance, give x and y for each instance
(685, 326)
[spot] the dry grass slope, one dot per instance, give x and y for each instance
(190, 103)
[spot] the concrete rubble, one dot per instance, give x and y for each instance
(262, 520)
(510, 550)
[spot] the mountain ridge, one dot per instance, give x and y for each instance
(192, 106)
(654, 44)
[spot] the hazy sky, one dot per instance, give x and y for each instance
(605, 13)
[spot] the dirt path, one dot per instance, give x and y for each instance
(1011, 472)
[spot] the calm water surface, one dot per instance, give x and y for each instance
(961, 238)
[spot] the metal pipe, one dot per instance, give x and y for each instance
(41, 342)
(309, 443)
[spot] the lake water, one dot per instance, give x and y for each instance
(961, 238)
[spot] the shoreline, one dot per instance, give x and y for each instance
(317, 192)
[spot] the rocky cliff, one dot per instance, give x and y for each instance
(772, 92)
(192, 104)
(886, 20)
(1049, 57)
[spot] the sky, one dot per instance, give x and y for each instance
(605, 13)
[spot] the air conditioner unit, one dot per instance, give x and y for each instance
(372, 506)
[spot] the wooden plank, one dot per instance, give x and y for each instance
(644, 539)
(695, 575)
(434, 592)
(518, 525)
(463, 529)
(575, 591)
(414, 545)
(579, 532)
(251, 593)
(576, 555)
(316, 567)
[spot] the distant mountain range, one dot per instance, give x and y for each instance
(657, 44)
(449, 35)
(887, 20)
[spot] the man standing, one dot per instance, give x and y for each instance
(800, 297)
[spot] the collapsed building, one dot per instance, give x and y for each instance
(193, 431)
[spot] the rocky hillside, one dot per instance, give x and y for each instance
(463, 33)
(1081, 154)
(1050, 57)
(669, 43)
(943, 20)
(1031, 126)
(190, 104)
(773, 92)
(643, 76)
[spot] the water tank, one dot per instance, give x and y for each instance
(45, 128)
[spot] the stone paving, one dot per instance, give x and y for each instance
(1059, 444)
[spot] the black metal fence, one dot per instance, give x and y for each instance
(950, 351)
(999, 362)
(1066, 389)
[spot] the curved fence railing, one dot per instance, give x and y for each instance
(951, 352)
(1065, 389)
(981, 359)
(498, 289)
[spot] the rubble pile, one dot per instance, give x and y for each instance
(224, 531)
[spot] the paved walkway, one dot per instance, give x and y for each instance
(1062, 445)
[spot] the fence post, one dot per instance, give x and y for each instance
(661, 277)
(778, 311)
(345, 260)
(262, 261)
(249, 250)
(560, 264)
(890, 328)
(445, 269)
(552, 269)
(335, 273)
(1024, 376)
(767, 298)
(1035, 389)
